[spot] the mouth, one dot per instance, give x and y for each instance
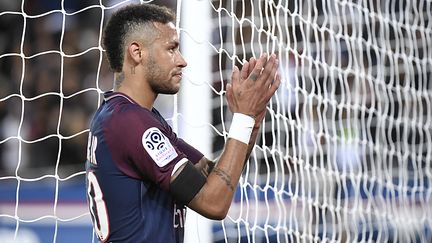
(178, 75)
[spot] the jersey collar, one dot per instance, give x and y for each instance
(111, 94)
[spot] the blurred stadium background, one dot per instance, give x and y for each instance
(37, 119)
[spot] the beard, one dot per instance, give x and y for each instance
(158, 80)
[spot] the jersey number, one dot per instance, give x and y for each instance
(97, 206)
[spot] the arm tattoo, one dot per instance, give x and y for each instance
(210, 166)
(206, 167)
(225, 177)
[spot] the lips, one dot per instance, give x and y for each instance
(178, 74)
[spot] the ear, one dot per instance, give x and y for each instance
(134, 50)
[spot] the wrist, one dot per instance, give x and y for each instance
(257, 125)
(241, 127)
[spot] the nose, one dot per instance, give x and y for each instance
(181, 62)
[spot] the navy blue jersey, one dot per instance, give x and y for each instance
(131, 155)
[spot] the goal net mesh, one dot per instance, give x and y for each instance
(344, 153)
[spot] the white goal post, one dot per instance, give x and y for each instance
(344, 154)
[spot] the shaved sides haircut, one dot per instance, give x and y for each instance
(128, 22)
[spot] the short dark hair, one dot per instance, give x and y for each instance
(121, 24)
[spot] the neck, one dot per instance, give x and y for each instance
(138, 90)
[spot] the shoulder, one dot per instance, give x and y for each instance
(128, 120)
(123, 110)
(129, 117)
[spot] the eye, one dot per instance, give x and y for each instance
(174, 47)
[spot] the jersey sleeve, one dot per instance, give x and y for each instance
(142, 147)
(191, 153)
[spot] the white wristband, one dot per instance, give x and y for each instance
(241, 127)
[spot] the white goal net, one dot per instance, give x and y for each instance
(344, 154)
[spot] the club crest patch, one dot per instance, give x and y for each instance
(158, 146)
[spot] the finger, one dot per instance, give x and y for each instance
(272, 75)
(268, 69)
(245, 71)
(230, 97)
(229, 92)
(256, 72)
(252, 63)
(275, 85)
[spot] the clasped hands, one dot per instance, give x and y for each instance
(251, 88)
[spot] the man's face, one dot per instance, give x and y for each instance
(164, 61)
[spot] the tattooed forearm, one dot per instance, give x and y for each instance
(224, 176)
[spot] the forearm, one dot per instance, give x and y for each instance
(205, 166)
(252, 142)
(247, 95)
(214, 198)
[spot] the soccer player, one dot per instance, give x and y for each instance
(140, 175)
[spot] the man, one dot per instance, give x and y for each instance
(140, 176)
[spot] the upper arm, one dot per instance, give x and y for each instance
(186, 182)
(191, 153)
(188, 185)
(205, 166)
(202, 170)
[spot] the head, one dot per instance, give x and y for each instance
(141, 40)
